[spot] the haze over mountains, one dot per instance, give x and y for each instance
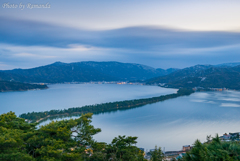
(59, 72)
(206, 76)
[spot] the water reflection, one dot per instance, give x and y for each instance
(61, 96)
(175, 122)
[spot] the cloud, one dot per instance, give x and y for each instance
(109, 14)
(2, 64)
(29, 55)
(78, 47)
(231, 99)
(24, 40)
(230, 105)
(37, 52)
(146, 38)
(32, 56)
(198, 100)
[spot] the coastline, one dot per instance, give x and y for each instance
(105, 107)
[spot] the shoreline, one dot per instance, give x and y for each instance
(104, 107)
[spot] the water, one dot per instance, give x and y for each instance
(170, 124)
(176, 122)
(61, 96)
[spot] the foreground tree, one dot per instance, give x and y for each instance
(214, 151)
(14, 132)
(122, 149)
(63, 140)
(157, 154)
(66, 140)
(60, 140)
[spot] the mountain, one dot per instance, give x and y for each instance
(17, 86)
(228, 64)
(178, 74)
(205, 76)
(7, 76)
(167, 71)
(59, 72)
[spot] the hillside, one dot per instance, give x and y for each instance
(57, 73)
(83, 72)
(201, 76)
(167, 71)
(179, 74)
(17, 86)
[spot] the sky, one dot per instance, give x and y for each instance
(158, 33)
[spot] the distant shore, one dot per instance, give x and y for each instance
(9, 86)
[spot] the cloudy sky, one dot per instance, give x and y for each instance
(158, 33)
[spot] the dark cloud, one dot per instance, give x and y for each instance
(137, 38)
(152, 46)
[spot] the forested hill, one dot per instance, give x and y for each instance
(84, 72)
(17, 86)
(205, 76)
(179, 74)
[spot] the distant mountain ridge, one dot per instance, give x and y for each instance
(179, 74)
(59, 72)
(228, 64)
(205, 76)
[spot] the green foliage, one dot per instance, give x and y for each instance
(105, 107)
(66, 140)
(14, 132)
(98, 156)
(63, 140)
(214, 151)
(157, 154)
(122, 149)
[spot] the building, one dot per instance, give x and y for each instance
(226, 136)
(186, 148)
(235, 135)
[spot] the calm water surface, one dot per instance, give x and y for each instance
(176, 122)
(60, 96)
(170, 124)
